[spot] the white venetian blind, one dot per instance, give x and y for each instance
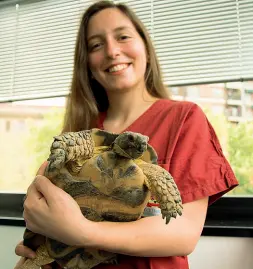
(7, 49)
(246, 37)
(197, 41)
(37, 47)
(144, 10)
(200, 41)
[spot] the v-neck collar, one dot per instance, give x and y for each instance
(102, 117)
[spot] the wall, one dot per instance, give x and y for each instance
(222, 253)
(10, 236)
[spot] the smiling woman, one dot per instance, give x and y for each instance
(117, 86)
(127, 43)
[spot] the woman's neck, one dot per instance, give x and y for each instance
(125, 108)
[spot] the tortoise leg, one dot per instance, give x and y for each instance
(42, 258)
(86, 259)
(163, 187)
(72, 147)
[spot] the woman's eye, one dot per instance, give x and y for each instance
(95, 46)
(123, 37)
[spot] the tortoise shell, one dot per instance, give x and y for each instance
(111, 177)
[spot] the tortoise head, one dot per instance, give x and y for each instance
(131, 145)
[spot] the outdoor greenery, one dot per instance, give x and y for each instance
(41, 137)
(240, 149)
(237, 143)
(25, 150)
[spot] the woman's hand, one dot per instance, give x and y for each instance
(50, 211)
(25, 253)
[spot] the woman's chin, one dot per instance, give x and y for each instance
(121, 88)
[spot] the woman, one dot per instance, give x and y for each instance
(117, 86)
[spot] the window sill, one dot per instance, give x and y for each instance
(230, 216)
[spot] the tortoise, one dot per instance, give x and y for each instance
(111, 177)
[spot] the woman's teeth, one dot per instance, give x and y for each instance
(117, 68)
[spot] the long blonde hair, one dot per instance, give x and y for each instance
(87, 97)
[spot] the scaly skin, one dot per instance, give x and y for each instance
(72, 148)
(163, 187)
(94, 259)
(42, 258)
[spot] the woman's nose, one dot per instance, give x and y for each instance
(112, 49)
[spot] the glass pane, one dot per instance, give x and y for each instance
(229, 107)
(26, 133)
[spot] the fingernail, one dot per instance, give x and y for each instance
(32, 256)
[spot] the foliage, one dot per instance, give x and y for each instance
(237, 143)
(240, 146)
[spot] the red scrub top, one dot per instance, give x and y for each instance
(188, 148)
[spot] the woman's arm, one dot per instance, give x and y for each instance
(150, 236)
(49, 211)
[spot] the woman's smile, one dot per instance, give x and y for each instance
(117, 69)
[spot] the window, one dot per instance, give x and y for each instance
(217, 110)
(27, 130)
(205, 50)
(192, 91)
(174, 90)
(217, 92)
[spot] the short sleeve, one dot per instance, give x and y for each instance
(198, 164)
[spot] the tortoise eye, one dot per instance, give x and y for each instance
(131, 138)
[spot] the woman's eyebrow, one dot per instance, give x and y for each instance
(118, 29)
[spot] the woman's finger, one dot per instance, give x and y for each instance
(47, 189)
(42, 168)
(24, 251)
(39, 173)
(33, 191)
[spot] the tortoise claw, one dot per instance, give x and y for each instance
(167, 220)
(172, 213)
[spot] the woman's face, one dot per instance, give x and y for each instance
(117, 54)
